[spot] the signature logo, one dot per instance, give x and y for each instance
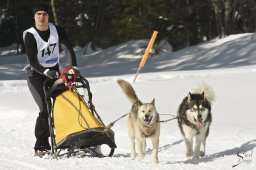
(244, 157)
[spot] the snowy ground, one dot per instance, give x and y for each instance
(228, 65)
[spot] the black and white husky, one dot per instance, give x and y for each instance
(194, 119)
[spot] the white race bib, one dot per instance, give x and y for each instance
(48, 52)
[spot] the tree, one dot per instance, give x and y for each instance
(17, 16)
(53, 5)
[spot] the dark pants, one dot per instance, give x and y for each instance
(35, 84)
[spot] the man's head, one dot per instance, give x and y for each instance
(41, 7)
(41, 16)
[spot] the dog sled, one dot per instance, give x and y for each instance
(75, 126)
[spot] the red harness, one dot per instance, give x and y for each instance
(68, 74)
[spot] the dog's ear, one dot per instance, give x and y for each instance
(203, 95)
(153, 102)
(139, 102)
(189, 97)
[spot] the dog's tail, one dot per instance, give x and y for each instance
(208, 91)
(128, 91)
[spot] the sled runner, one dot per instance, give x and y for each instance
(75, 126)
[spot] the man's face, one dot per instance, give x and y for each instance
(41, 18)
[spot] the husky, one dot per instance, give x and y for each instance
(143, 122)
(194, 119)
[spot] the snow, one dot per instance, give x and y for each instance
(228, 65)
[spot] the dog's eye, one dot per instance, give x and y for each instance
(202, 109)
(192, 109)
(143, 111)
(149, 111)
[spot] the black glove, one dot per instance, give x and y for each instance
(76, 71)
(51, 74)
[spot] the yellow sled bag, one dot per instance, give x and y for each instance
(74, 123)
(71, 115)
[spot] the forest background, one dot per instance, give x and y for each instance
(105, 23)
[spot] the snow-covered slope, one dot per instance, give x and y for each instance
(228, 65)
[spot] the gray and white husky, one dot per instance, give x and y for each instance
(143, 122)
(194, 119)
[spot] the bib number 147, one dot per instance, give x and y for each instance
(49, 50)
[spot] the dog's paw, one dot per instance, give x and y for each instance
(132, 157)
(196, 157)
(155, 161)
(202, 153)
(140, 158)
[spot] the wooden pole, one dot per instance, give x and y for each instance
(146, 54)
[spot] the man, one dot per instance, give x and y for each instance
(42, 44)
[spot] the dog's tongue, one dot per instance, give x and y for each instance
(199, 124)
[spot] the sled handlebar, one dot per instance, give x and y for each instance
(49, 89)
(57, 82)
(50, 85)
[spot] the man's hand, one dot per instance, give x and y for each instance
(52, 74)
(76, 71)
